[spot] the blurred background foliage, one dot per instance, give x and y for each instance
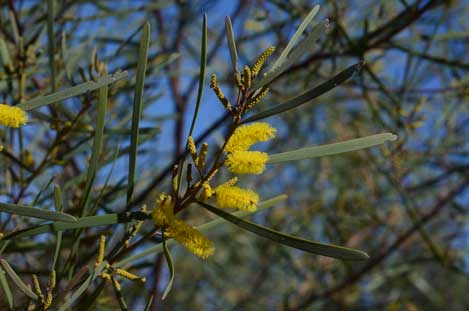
(405, 203)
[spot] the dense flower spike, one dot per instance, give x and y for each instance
(246, 162)
(202, 156)
(207, 192)
(260, 61)
(190, 238)
(130, 276)
(247, 135)
(101, 248)
(217, 90)
(247, 77)
(12, 116)
(256, 99)
(191, 147)
(163, 212)
(235, 197)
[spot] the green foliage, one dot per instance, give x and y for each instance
(398, 207)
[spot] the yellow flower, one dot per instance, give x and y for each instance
(235, 197)
(12, 116)
(163, 212)
(246, 162)
(190, 238)
(247, 135)
(207, 192)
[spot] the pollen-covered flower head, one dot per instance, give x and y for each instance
(12, 116)
(247, 135)
(163, 214)
(246, 162)
(190, 238)
(230, 196)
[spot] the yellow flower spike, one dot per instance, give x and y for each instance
(116, 285)
(246, 162)
(260, 61)
(12, 116)
(254, 101)
(37, 288)
(202, 156)
(191, 147)
(236, 197)
(163, 212)
(105, 276)
(190, 238)
(219, 93)
(247, 135)
(231, 182)
(247, 77)
(48, 301)
(207, 192)
(101, 248)
(52, 280)
(130, 276)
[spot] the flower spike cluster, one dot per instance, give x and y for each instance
(193, 240)
(242, 161)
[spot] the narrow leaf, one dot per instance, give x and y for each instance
(169, 261)
(17, 280)
(328, 250)
(72, 91)
(282, 58)
(203, 65)
(51, 42)
(231, 43)
(83, 222)
(4, 54)
(149, 303)
(6, 289)
(97, 147)
(309, 95)
(303, 48)
(137, 108)
(83, 287)
(30, 211)
(331, 149)
(58, 207)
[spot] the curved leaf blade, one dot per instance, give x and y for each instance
(329, 250)
(6, 289)
(72, 91)
(169, 261)
(309, 95)
(331, 149)
(33, 212)
(202, 228)
(283, 56)
(17, 280)
(231, 43)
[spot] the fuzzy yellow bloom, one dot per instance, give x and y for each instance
(163, 212)
(190, 238)
(247, 135)
(246, 162)
(236, 197)
(12, 116)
